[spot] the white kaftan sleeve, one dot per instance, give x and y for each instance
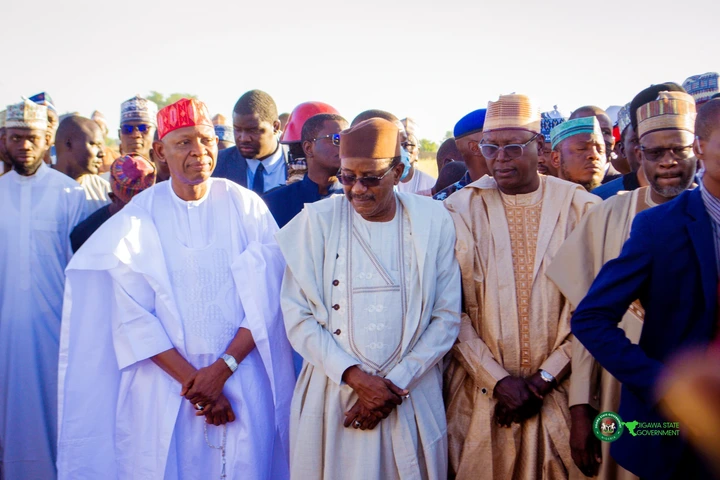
(440, 335)
(137, 333)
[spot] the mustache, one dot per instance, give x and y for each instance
(361, 197)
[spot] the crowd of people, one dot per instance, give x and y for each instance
(269, 299)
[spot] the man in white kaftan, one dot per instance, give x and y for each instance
(372, 290)
(40, 209)
(186, 277)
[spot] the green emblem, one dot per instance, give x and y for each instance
(608, 426)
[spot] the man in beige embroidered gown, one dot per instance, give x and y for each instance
(371, 300)
(506, 385)
(598, 239)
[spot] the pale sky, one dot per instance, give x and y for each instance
(431, 60)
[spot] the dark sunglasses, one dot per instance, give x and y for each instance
(128, 129)
(678, 153)
(367, 182)
(334, 137)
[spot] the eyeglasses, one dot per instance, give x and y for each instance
(514, 150)
(408, 146)
(678, 153)
(128, 129)
(334, 137)
(367, 182)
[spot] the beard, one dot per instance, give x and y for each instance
(594, 182)
(26, 168)
(686, 180)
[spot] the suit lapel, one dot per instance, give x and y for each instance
(701, 235)
(242, 167)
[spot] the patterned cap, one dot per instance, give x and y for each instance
(220, 119)
(130, 175)
(513, 111)
(43, 98)
(623, 120)
(550, 120)
(26, 114)
(2, 119)
(702, 87)
(224, 133)
(138, 109)
(671, 111)
(575, 127)
(186, 112)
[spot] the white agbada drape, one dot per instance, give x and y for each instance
(336, 317)
(39, 212)
(184, 275)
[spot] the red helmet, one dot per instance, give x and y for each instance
(299, 116)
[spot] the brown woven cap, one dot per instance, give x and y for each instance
(512, 112)
(372, 138)
(671, 111)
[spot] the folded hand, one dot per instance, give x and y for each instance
(205, 385)
(374, 392)
(366, 419)
(218, 413)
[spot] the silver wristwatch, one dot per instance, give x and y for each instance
(546, 376)
(230, 362)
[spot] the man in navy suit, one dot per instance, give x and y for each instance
(320, 143)
(257, 161)
(669, 263)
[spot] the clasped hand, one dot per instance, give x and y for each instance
(204, 387)
(519, 399)
(377, 398)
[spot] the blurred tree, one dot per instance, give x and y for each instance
(163, 101)
(448, 134)
(428, 145)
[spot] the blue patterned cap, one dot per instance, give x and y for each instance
(224, 133)
(548, 121)
(702, 87)
(623, 120)
(44, 98)
(138, 109)
(471, 123)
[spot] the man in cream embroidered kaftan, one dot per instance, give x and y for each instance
(515, 322)
(384, 296)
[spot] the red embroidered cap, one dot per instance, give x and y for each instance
(186, 112)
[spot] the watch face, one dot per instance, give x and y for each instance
(230, 362)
